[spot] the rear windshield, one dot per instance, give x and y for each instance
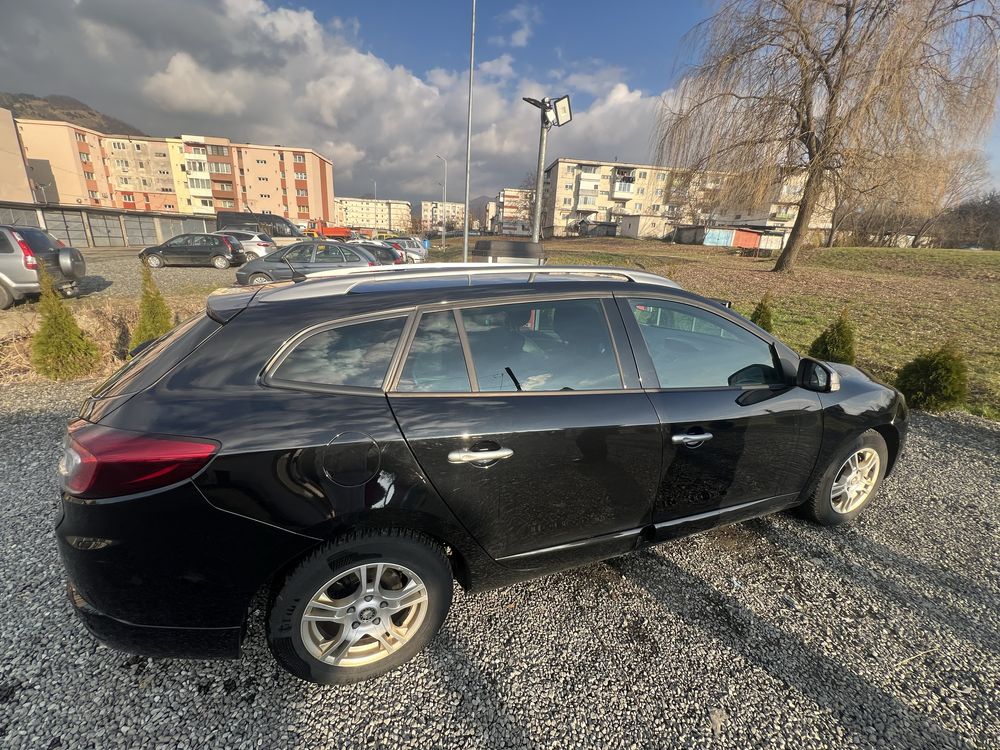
(38, 240)
(264, 238)
(155, 360)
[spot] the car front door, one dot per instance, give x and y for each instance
(174, 250)
(739, 438)
(327, 258)
(570, 445)
(299, 257)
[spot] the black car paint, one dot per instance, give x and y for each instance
(300, 467)
(196, 255)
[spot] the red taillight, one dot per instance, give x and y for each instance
(372, 263)
(29, 259)
(399, 259)
(226, 240)
(105, 462)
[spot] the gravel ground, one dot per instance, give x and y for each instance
(772, 633)
(117, 273)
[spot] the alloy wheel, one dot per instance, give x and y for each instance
(154, 261)
(259, 278)
(855, 480)
(364, 614)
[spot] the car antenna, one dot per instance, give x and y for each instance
(297, 276)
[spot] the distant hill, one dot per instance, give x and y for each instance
(66, 108)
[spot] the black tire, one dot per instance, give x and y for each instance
(219, 261)
(258, 278)
(820, 506)
(154, 261)
(291, 596)
(6, 298)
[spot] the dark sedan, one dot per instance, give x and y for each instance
(348, 446)
(303, 258)
(196, 249)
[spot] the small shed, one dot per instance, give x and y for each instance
(693, 234)
(644, 225)
(772, 240)
(746, 239)
(719, 236)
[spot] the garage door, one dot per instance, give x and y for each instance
(140, 230)
(24, 217)
(171, 228)
(194, 225)
(106, 231)
(67, 226)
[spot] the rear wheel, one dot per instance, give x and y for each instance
(259, 278)
(850, 481)
(360, 606)
(220, 262)
(6, 298)
(154, 261)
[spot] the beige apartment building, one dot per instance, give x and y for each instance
(780, 207)
(14, 182)
(433, 212)
(580, 195)
(489, 216)
(372, 213)
(190, 174)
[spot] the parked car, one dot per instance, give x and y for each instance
(412, 248)
(255, 244)
(303, 258)
(385, 254)
(22, 250)
(218, 250)
(349, 445)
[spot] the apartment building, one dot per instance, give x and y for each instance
(432, 213)
(780, 207)
(371, 213)
(514, 212)
(14, 182)
(188, 174)
(581, 195)
(489, 216)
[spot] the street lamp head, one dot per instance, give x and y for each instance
(533, 102)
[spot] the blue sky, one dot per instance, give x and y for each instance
(378, 87)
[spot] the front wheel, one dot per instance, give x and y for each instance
(256, 279)
(154, 261)
(220, 262)
(850, 481)
(360, 606)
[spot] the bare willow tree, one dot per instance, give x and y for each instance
(823, 86)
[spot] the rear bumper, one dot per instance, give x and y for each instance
(181, 643)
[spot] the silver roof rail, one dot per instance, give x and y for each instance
(343, 280)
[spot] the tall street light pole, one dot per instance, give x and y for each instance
(444, 198)
(553, 112)
(468, 136)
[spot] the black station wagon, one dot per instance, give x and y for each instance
(350, 445)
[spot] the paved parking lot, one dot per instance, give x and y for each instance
(772, 633)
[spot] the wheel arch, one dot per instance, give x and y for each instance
(890, 433)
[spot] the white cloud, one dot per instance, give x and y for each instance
(266, 74)
(526, 16)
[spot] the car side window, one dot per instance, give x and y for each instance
(695, 348)
(328, 254)
(559, 345)
(435, 361)
(5, 244)
(350, 256)
(355, 355)
(299, 254)
(177, 241)
(206, 241)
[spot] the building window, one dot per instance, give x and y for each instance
(162, 171)
(265, 195)
(200, 150)
(227, 186)
(196, 166)
(218, 150)
(138, 147)
(261, 161)
(168, 205)
(656, 207)
(84, 157)
(199, 184)
(88, 175)
(300, 158)
(589, 169)
(92, 194)
(121, 163)
(567, 201)
(117, 145)
(640, 191)
(302, 193)
(300, 175)
(206, 201)
(161, 154)
(123, 181)
(642, 175)
(144, 182)
(661, 176)
(638, 206)
(128, 197)
(80, 137)
(225, 203)
(588, 200)
(218, 167)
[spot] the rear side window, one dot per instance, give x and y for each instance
(355, 355)
(5, 244)
(38, 240)
(562, 345)
(264, 238)
(435, 362)
(351, 256)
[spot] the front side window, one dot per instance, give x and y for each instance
(695, 348)
(299, 254)
(328, 254)
(355, 355)
(561, 345)
(435, 362)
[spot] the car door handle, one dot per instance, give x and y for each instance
(475, 457)
(691, 439)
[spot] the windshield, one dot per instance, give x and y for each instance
(39, 240)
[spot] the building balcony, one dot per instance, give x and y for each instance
(622, 191)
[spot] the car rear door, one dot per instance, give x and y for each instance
(739, 438)
(327, 257)
(570, 445)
